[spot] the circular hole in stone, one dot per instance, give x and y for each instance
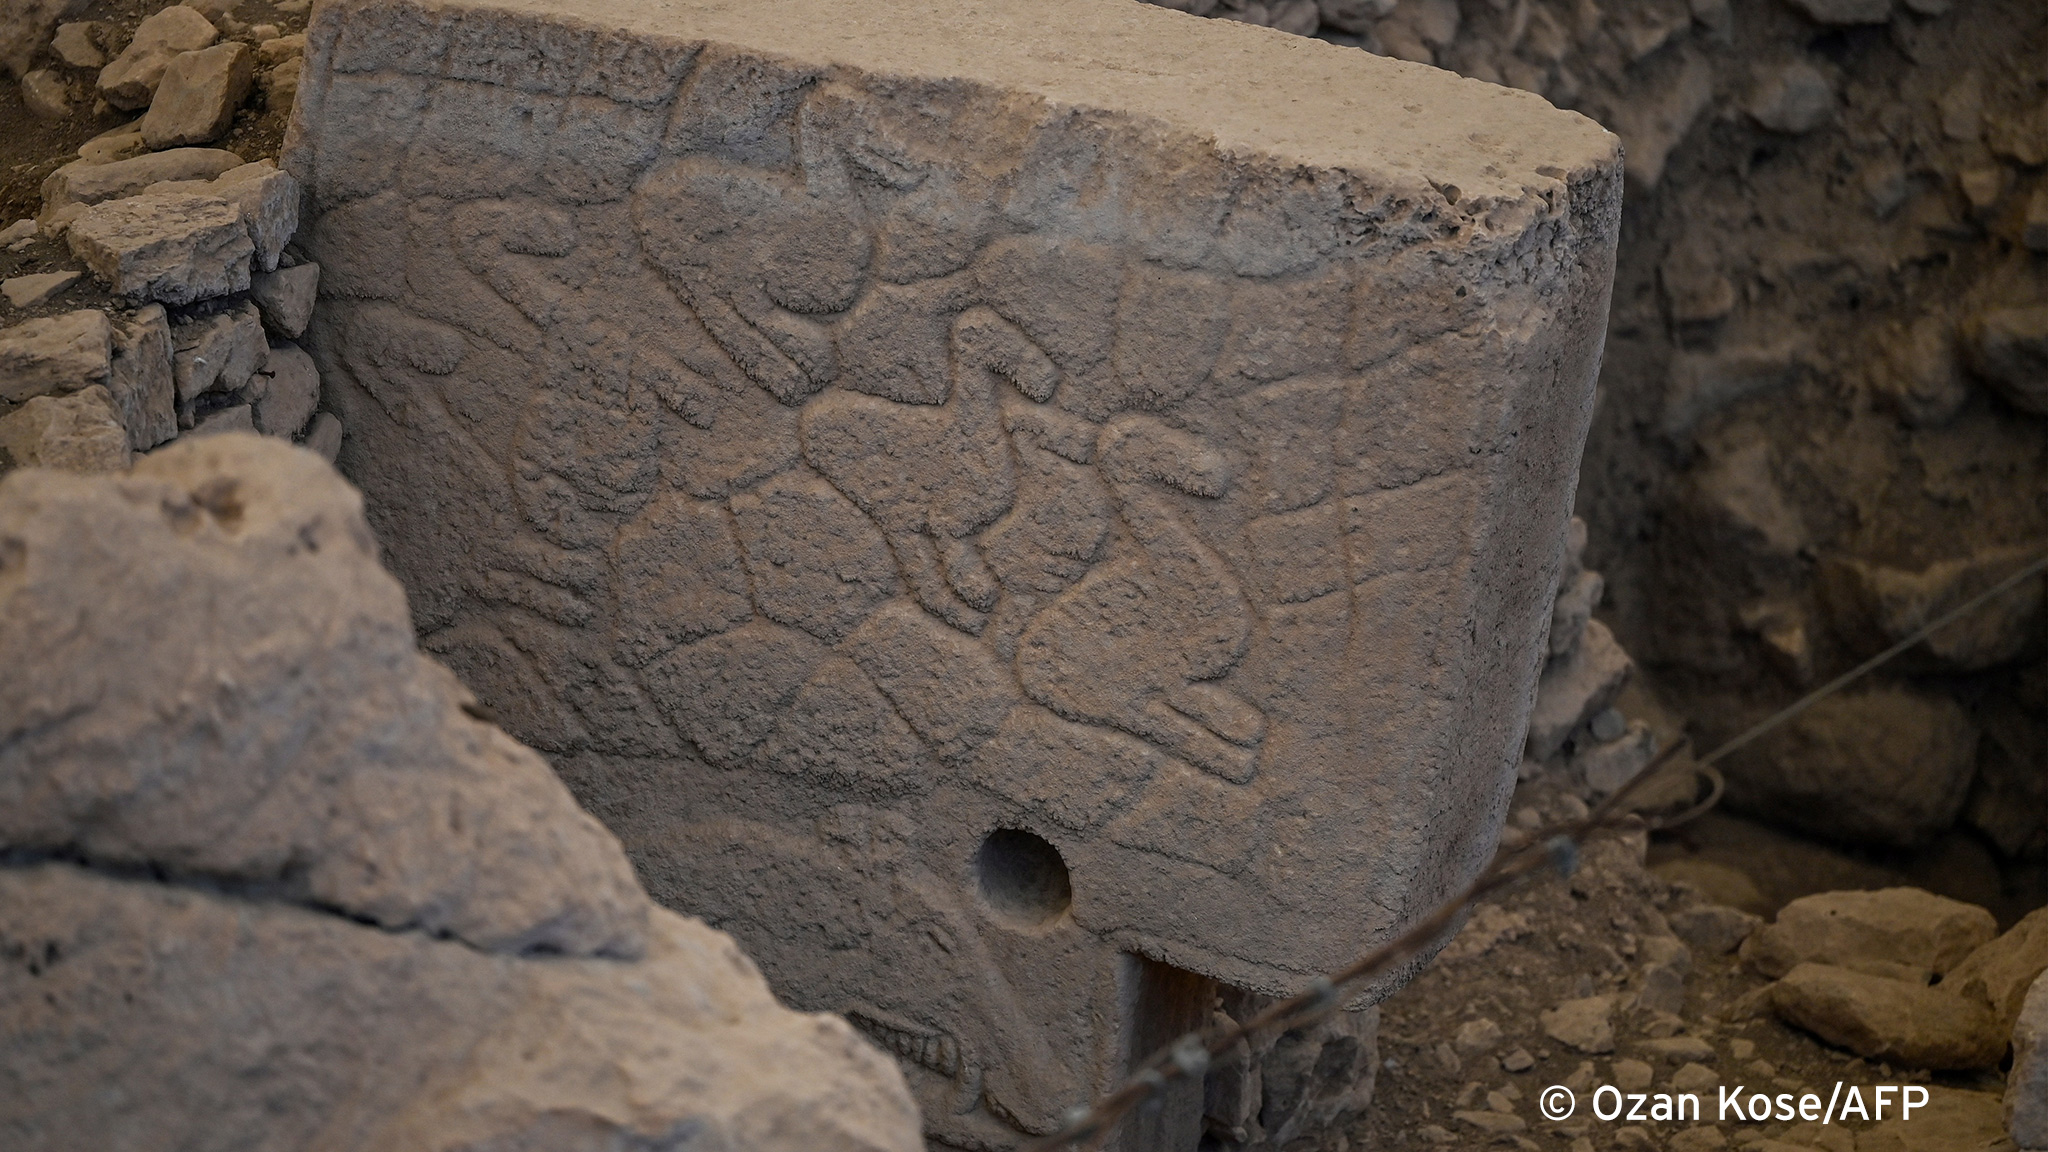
(1022, 878)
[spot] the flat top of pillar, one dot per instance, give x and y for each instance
(1252, 90)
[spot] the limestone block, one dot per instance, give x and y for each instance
(2026, 1086)
(292, 394)
(255, 1024)
(36, 288)
(196, 100)
(55, 354)
(1903, 926)
(1999, 973)
(46, 94)
(279, 728)
(843, 438)
(86, 182)
(175, 248)
(286, 297)
(140, 379)
(80, 432)
(131, 80)
(1908, 1024)
(77, 44)
(218, 352)
(268, 199)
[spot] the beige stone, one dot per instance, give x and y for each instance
(176, 248)
(286, 297)
(90, 181)
(1905, 926)
(77, 44)
(81, 432)
(323, 438)
(46, 95)
(1999, 973)
(60, 353)
(1574, 687)
(196, 101)
(1181, 565)
(131, 80)
(1910, 1025)
(36, 288)
(218, 351)
(291, 394)
(140, 378)
(233, 418)
(1585, 1024)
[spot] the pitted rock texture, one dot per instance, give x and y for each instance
(841, 434)
(264, 808)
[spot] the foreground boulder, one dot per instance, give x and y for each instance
(271, 881)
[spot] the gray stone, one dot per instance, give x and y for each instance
(54, 354)
(25, 26)
(279, 49)
(77, 44)
(46, 95)
(281, 83)
(1905, 926)
(175, 248)
(218, 352)
(19, 232)
(1606, 767)
(36, 288)
(2026, 1086)
(140, 379)
(1845, 12)
(1585, 1024)
(233, 418)
(324, 437)
(80, 432)
(352, 774)
(269, 201)
(131, 80)
(292, 394)
(1121, 338)
(1574, 687)
(1999, 973)
(114, 145)
(1876, 605)
(1883, 766)
(89, 182)
(196, 101)
(1906, 1024)
(1477, 1036)
(1575, 603)
(286, 297)
(1714, 929)
(2009, 348)
(1795, 99)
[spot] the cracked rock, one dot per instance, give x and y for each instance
(1585, 1024)
(131, 80)
(174, 248)
(55, 354)
(197, 98)
(217, 352)
(140, 378)
(1574, 687)
(80, 432)
(286, 297)
(87, 182)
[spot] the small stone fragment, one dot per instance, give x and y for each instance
(35, 288)
(55, 354)
(218, 352)
(1999, 973)
(1906, 926)
(235, 418)
(174, 248)
(123, 143)
(1496, 1123)
(1794, 100)
(1584, 1024)
(1606, 767)
(199, 95)
(1681, 1050)
(16, 232)
(2009, 347)
(88, 182)
(1518, 1060)
(77, 433)
(1706, 1137)
(46, 95)
(1695, 1078)
(292, 394)
(140, 378)
(1845, 12)
(1632, 1075)
(1713, 929)
(1576, 600)
(131, 80)
(1477, 1036)
(1891, 1020)
(281, 84)
(77, 44)
(286, 297)
(1574, 687)
(280, 49)
(324, 437)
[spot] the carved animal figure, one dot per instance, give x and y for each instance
(1134, 643)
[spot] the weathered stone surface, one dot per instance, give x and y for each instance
(286, 297)
(140, 379)
(2009, 347)
(350, 778)
(2026, 1086)
(46, 95)
(279, 49)
(113, 145)
(250, 1023)
(1885, 765)
(1999, 973)
(1880, 606)
(55, 354)
(1576, 600)
(1883, 1019)
(131, 80)
(1574, 687)
(218, 352)
(1586, 1024)
(1905, 926)
(1714, 929)
(1174, 564)
(80, 432)
(77, 44)
(25, 26)
(292, 394)
(324, 437)
(197, 98)
(269, 201)
(174, 248)
(35, 288)
(90, 182)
